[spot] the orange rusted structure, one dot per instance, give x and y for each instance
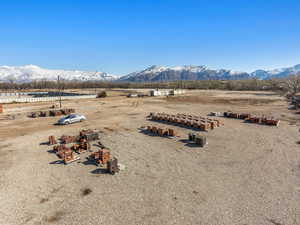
(187, 120)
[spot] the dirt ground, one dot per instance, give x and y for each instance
(248, 174)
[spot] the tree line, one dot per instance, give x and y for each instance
(236, 85)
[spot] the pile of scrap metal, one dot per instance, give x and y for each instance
(52, 140)
(197, 139)
(263, 120)
(161, 131)
(65, 153)
(187, 120)
(241, 116)
(81, 145)
(65, 139)
(102, 158)
(247, 117)
(57, 112)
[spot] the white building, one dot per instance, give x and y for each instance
(165, 92)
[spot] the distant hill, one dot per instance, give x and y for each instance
(161, 73)
(28, 73)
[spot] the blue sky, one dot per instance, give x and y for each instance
(122, 36)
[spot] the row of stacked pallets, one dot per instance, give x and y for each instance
(57, 112)
(161, 131)
(247, 117)
(202, 123)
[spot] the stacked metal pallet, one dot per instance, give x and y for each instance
(161, 131)
(187, 120)
(57, 112)
(253, 119)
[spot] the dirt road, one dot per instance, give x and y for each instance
(247, 174)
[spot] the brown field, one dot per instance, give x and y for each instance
(248, 174)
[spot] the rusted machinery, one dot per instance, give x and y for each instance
(112, 166)
(241, 116)
(263, 120)
(60, 150)
(82, 147)
(197, 139)
(52, 140)
(161, 131)
(1, 108)
(198, 122)
(65, 139)
(253, 119)
(69, 157)
(100, 157)
(89, 135)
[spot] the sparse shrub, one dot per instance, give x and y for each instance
(101, 94)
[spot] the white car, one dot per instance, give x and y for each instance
(72, 118)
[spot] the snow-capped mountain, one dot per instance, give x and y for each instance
(277, 73)
(162, 73)
(28, 73)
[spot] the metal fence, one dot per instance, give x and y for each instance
(43, 99)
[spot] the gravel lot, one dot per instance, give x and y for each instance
(247, 174)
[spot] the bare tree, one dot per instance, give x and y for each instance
(292, 87)
(292, 84)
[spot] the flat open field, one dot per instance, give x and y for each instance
(247, 174)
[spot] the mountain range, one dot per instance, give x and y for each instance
(28, 73)
(161, 73)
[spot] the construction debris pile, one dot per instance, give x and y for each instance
(202, 123)
(161, 131)
(81, 144)
(247, 117)
(57, 112)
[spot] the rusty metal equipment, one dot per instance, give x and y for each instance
(54, 112)
(89, 135)
(192, 136)
(61, 150)
(187, 120)
(69, 157)
(160, 131)
(253, 119)
(200, 140)
(100, 157)
(82, 147)
(1, 108)
(172, 132)
(57, 148)
(197, 139)
(65, 139)
(52, 140)
(112, 166)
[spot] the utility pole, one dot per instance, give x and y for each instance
(95, 85)
(59, 90)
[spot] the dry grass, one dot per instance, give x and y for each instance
(223, 101)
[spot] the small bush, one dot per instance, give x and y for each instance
(101, 94)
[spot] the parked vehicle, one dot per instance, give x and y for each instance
(72, 118)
